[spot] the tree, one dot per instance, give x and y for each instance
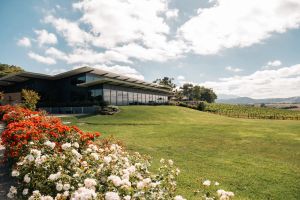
(9, 69)
(208, 95)
(187, 90)
(31, 98)
(198, 93)
(166, 81)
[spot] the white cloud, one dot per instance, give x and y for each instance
(180, 78)
(138, 30)
(172, 13)
(41, 59)
(55, 53)
(150, 54)
(272, 64)
(119, 22)
(25, 42)
(236, 23)
(85, 55)
(232, 69)
(71, 31)
(43, 37)
(55, 71)
(283, 82)
(124, 70)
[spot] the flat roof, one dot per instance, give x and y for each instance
(112, 77)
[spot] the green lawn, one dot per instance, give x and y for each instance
(256, 159)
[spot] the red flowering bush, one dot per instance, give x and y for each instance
(24, 126)
(16, 113)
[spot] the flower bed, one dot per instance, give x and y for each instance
(54, 161)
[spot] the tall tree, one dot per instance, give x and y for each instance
(166, 81)
(9, 69)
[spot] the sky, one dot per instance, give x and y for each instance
(236, 47)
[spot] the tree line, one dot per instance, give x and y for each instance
(188, 91)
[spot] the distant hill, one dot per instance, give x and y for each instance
(247, 100)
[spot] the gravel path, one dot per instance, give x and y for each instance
(5, 178)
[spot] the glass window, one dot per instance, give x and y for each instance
(125, 98)
(119, 98)
(113, 97)
(139, 97)
(92, 77)
(143, 98)
(95, 94)
(78, 80)
(106, 95)
(130, 97)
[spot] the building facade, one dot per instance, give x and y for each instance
(83, 87)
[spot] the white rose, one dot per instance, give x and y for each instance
(112, 196)
(66, 146)
(178, 197)
(25, 191)
(27, 178)
(76, 145)
(206, 183)
(66, 186)
(127, 197)
(15, 173)
(107, 159)
(59, 186)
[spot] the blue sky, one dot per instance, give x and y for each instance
(244, 48)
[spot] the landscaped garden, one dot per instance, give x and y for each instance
(50, 160)
(257, 159)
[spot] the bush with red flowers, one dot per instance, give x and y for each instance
(24, 126)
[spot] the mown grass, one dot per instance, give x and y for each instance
(256, 159)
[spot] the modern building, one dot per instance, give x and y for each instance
(84, 86)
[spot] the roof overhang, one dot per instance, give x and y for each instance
(113, 81)
(113, 78)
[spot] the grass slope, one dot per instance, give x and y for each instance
(256, 159)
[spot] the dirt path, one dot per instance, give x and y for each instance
(5, 179)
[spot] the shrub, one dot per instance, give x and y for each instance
(24, 126)
(201, 106)
(31, 98)
(99, 172)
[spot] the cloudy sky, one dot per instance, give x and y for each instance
(237, 47)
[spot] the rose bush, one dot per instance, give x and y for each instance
(103, 171)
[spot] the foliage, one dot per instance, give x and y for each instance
(201, 106)
(31, 98)
(9, 69)
(166, 81)
(108, 110)
(248, 111)
(198, 93)
(242, 111)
